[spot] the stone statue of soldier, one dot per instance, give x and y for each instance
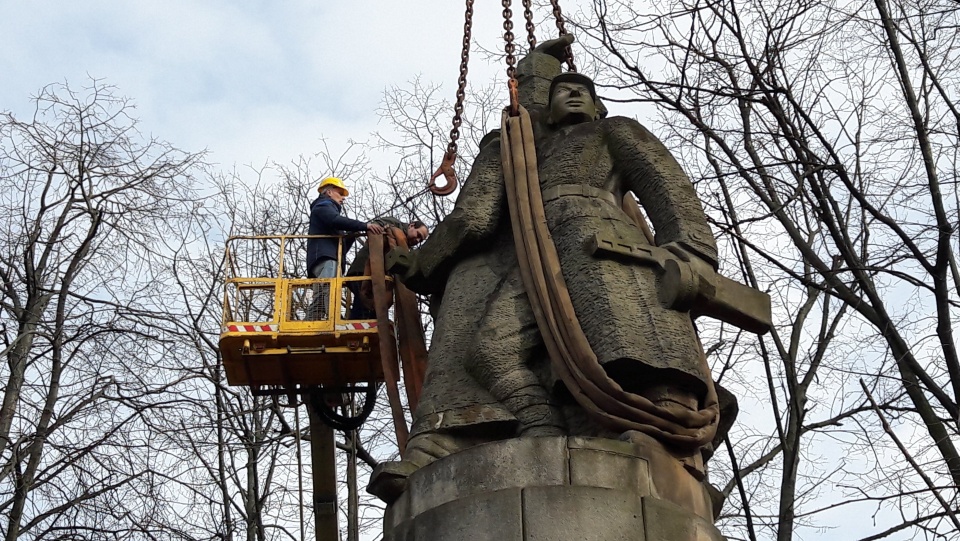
(489, 376)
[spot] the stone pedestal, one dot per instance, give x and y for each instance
(554, 489)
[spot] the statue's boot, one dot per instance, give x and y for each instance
(523, 395)
(389, 479)
(530, 405)
(677, 474)
(536, 418)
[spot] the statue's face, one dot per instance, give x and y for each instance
(571, 104)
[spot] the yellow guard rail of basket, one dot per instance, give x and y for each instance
(280, 329)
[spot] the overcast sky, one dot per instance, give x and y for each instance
(249, 80)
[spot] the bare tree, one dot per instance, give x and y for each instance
(89, 207)
(418, 117)
(824, 137)
(250, 456)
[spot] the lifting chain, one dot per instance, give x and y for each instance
(510, 48)
(561, 26)
(528, 15)
(450, 156)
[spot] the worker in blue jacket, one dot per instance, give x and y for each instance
(325, 219)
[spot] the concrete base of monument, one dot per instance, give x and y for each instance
(555, 489)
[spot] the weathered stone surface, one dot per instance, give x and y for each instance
(514, 463)
(581, 513)
(538, 65)
(544, 489)
(493, 516)
(397, 512)
(665, 521)
(674, 479)
(534, 73)
(400, 532)
(595, 468)
(607, 445)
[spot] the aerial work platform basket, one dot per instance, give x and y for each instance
(284, 334)
(282, 330)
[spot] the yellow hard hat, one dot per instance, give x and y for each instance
(333, 181)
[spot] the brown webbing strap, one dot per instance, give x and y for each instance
(388, 350)
(413, 345)
(570, 354)
(410, 338)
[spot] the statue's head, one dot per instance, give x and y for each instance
(573, 99)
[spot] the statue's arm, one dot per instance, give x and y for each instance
(649, 170)
(363, 254)
(472, 222)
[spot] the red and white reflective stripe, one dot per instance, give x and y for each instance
(252, 328)
(359, 326)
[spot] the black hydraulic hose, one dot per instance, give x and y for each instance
(345, 423)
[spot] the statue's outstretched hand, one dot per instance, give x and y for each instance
(400, 261)
(404, 265)
(555, 47)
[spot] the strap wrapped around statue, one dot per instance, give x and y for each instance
(570, 353)
(556, 312)
(394, 237)
(410, 338)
